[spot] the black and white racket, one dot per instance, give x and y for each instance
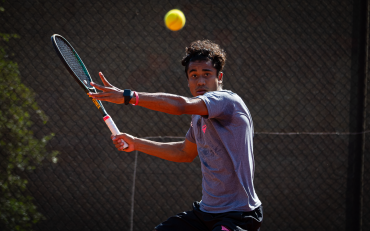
(78, 70)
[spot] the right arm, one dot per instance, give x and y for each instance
(183, 151)
(163, 102)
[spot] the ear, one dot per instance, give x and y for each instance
(220, 77)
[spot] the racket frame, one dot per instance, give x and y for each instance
(108, 120)
(87, 90)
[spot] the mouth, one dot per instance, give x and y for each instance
(201, 91)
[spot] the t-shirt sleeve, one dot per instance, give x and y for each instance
(219, 104)
(190, 135)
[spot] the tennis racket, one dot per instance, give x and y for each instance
(78, 70)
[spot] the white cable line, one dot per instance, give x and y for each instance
(134, 178)
(133, 194)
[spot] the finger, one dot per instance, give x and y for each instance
(97, 86)
(118, 136)
(104, 80)
(117, 139)
(99, 96)
(121, 148)
(119, 142)
(119, 145)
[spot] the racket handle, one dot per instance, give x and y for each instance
(113, 128)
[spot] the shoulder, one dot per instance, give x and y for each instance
(220, 95)
(222, 104)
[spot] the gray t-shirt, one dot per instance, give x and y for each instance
(224, 141)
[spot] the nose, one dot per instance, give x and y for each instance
(201, 81)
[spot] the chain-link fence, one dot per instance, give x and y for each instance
(298, 65)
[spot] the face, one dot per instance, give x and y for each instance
(202, 77)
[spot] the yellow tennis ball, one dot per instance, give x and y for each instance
(174, 20)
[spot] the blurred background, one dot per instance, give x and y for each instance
(300, 66)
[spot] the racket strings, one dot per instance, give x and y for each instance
(73, 61)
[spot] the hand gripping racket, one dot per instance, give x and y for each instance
(78, 70)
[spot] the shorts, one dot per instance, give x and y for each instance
(201, 221)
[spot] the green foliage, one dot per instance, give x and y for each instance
(20, 151)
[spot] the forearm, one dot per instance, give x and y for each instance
(172, 151)
(163, 102)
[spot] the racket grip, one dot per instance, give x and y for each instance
(113, 128)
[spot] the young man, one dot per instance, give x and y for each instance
(221, 133)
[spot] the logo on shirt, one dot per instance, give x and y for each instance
(224, 228)
(204, 128)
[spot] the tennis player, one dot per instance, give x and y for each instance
(221, 133)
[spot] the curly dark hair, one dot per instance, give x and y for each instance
(204, 50)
